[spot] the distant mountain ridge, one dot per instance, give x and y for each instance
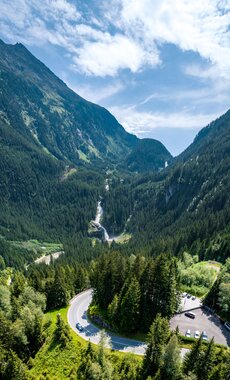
(36, 102)
(61, 122)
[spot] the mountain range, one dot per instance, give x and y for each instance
(56, 148)
(38, 105)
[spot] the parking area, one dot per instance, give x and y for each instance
(204, 321)
(189, 302)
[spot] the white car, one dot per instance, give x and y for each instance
(188, 334)
(193, 298)
(204, 335)
(227, 325)
(197, 334)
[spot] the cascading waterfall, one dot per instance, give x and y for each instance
(97, 222)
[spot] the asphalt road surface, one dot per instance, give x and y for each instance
(204, 321)
(77, 313)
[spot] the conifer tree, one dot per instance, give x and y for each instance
(58, 295)
(206, 362)
(113, 310)
(62, 331)
(171, 364)
(38, 337)
(130, 307)
(156, 342)
(193, 357)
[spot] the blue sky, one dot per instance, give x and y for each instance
(162, 67)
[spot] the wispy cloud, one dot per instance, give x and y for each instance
(95, 95)
(195, 97)
(141, 123)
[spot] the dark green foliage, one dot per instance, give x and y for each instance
(159, 285)
(118, 204)
(107, 276)
(193, 357)
(129, 310)
(171, 367)
(206, 362)
(58, 295)
(129, 300)
(156, 341)
(149, 155)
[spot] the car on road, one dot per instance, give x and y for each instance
(204, 335)
(193, 298)
(190, 314)
(188, 295)
(184, 294)
(197, 334)
(188, 333)
(227, 325)
(79, 327)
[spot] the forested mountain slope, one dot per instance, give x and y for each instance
(37, 200)
(38, 104)
(148, 155)
(187, 204)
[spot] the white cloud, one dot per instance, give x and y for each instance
(199, 26)
(127, 33)
(111, 54)
(140, 122)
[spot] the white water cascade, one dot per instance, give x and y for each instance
(98, 219)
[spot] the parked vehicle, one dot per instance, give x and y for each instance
(184, 294)
(188, 334)
(79, 327)
(197, 334)
(188, 295)
(204, 335)
(190, 314)
(193, 298)
(227, 325)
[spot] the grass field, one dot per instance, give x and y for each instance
(38, 247)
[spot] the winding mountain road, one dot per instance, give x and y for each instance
(77, 313)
